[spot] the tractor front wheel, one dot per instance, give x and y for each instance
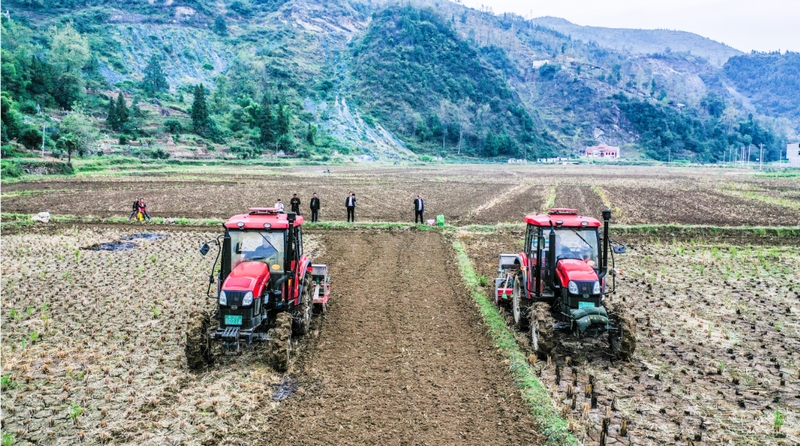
(280, 349)
(198, 342)
(623, 340)
(542, 329)
(519, 304)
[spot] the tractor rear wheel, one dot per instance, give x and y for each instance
(623, 340)
(519, 304)
(301, 315)
(198, 342)
(542, 328)
(280, 349)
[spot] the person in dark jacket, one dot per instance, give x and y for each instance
(295, 203)
(350, 204)
(419, 208)
(135, 209)
(315, 208)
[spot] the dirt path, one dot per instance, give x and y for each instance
(402, 357)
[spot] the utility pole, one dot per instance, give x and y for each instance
(44, 129)
(761, 156)
(749, 149)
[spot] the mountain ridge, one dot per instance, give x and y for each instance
(644, 41)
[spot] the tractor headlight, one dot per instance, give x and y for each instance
(248, 299)
(223, 299)
(596, 289)
(573, 287)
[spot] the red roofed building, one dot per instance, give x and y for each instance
(602, 151)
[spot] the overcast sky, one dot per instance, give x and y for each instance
(762, 25)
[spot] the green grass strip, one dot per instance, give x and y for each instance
(550, 424)
(551, 199)
(764, 198)
(13, 220)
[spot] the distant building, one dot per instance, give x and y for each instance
(559, 160)
(793, 154)
(602, 151)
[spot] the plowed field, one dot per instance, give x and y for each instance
(479, 194)
(403, 357)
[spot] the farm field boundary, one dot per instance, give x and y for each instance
(542, 408)
(12, 221)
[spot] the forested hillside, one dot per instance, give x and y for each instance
(341, 78)
(772, 80)
(413, 72)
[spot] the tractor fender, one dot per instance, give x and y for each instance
(304, 263)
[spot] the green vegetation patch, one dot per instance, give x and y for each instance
(550, 424)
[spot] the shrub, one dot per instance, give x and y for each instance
(173, 126)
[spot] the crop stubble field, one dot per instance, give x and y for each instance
(91, 340)
(717, 350)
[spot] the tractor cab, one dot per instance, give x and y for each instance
(264, 272)
(563, 273)
(563, 252)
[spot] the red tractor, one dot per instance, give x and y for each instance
(268, 289)
(560, 281)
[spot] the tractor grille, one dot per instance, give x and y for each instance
(235, 297)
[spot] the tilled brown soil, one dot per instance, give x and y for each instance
(582, 198)
(403, 357)
(466, 194)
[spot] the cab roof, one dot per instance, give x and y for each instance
(567, 217)
(262, 218)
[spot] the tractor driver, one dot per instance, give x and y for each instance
(588, 256)
(265, 251)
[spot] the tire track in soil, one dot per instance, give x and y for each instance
(403, 356)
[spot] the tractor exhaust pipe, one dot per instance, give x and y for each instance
(226, 257)
(287, 259)
(606, 219)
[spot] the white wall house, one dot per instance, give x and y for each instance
(793, 154)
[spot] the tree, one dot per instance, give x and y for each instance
(154, 79)
(69, 48)
(123, 115)
(311, 133)
(68, 89)
(200, 111)
(112, 120)
(464, 115)
(220, 27)
(78, 134)
(283, 120)
(266, 122)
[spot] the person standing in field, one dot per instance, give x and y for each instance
(315, 208)
(350, 204)
(143, 208)
(419, 208)
(279, 205)
(135, 209)
(295, 204)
